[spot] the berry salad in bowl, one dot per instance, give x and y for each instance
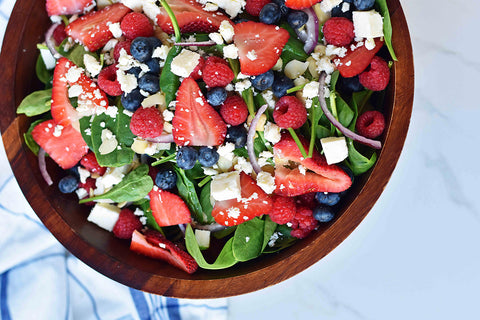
(206, 134)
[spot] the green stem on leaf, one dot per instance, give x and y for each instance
(294, 89)
(65, 20)
(297, 141)
(166, 159)
(172, 17)
(204, 181)
(248, 97)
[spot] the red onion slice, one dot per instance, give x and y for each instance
(51, 42)
(214, 227)
(196, 44)
(251, 136)
(352, 135)
(312, 27)
(165, 138)
(43, 167)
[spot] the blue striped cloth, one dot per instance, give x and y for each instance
(39, 279)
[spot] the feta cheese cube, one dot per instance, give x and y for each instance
(367, 24)
(183, 64)
(266, 181)
(335, 149)
(230, 51)
(203, 238)
(226, 186)
(227, 31)
(48, 59)
(104, 215)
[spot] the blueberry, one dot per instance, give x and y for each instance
(270, 14)
(237, 135)
(155, 42)
(135, 71)
(149, 82)
(240, 20)
(323, 214)
(216, 96)
(187, 157)
(131, 101)
(68, 184)
(208, 156)
(141, 49)
(328, 199)
(166, 179)
(284, 10)
(337, 11)
(154, 65)
(281, 84)
(297, 19)
(263, 81)
(364, 4)
(74, 172)
(349, 85)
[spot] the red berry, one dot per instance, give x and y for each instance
(234, 110)
(289, 112)
(253, 7)
(135, 25)
(119, 46)
(306, 200)
(303, 223)
(89, 162)
(59, 33)
(370, 124)
(217, 73)
(283, 209)
(89, 184)
(197, 72)
(147, 122)
(126, 224)
(107, 81)
(338, 31)
(376, 77)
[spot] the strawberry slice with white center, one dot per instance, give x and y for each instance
(300, 4)
(254, 202)
(190, 17)
(156, 246)
(64, 145)
(259, 46)
(92, 30)
(168, 209)
(196, 123)
(90, 96)
(64, 7)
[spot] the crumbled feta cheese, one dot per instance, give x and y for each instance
(226, 150)
(112, 111)
(345, 6)
(209, 171)
(210, 7)
(168, 115)
(81, 193)
(335, 149)
(151, 10)
(310, 90)
(266, 181)
(242, 85)
(183, 64)
(57, 132)
(327, 5)
(367, 24)
(75, 91)
(115, 29)
(331, 50)
(104, 215)
(84, 174)
(252, 55)
(226, 186)
(243, 165)
(369, 44)
(216, 37)
(231, 7)
(161, 52)
(268, 96)
(128, 82)
(227, 31)
(230, 51)
(272, 133)
(73, 74)
(135, 5)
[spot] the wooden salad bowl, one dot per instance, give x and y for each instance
(67, 220)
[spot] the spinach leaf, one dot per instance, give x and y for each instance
(133, 187)
(334, 79)
(345, 114)
(225, 232)
(144, 204)
(31, 144)
(387, 26)
(84, 129)
(196, 172)
(43, 74)
(76, 54)
(187, 191)
(356, 161)
(224, 260)
(248, 240)
(268, 231)
(293, 50)
(36, 103)
(169, 82)
(205, 201)
(322, 132)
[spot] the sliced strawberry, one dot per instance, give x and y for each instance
(66, 74)
(259, 46)
(254, 203)
(300, 4)
(190, 17)
(92, 30)
(168, 209)
(356, 61)
(324, 178)
(196, 123)
(64, 7)
(64, 145)
(156, 246)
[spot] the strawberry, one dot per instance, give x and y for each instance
(190, 17)
(92, 97)
(92, 30)
(126, 224)
(254, 203)
(291, 182)
(168, 209)
(156, 246)
(196, 123)
(64, 145)
(300, 4)
(356, 61)
(259, 46)
(64, 7)
(89, 162)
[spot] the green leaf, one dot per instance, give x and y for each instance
(31, 144)
(84, 129)
(169, 82)
(187, 191)
(76, 54)
(268, 231)
(248, 240)
(144, 204)
(196, 172)
(344, 112)
(387, 26)
(36, 103)
(205, 201)
(43, 74)
(224, 260)
(322, 132)
(133, 187)
(334, 79)
(293, 50)
(356, 161)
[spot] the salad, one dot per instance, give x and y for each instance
(207, 132)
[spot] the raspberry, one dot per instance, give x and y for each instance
(89, 185)
(234, 110)
(289, 112)
(338, 31)
(147, 122)
(59, 34)
(217, 73)
(376, 77)
(126, 224)
(306, 200)
(253, 7)
(136, 25)
(107, 81)
(89, 162)
(370, 124)
(303, 223)
(119, 46)
(283, 209)
(197, 72)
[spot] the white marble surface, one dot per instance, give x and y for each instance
(416, 254)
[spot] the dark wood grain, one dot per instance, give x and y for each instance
(67, 220)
